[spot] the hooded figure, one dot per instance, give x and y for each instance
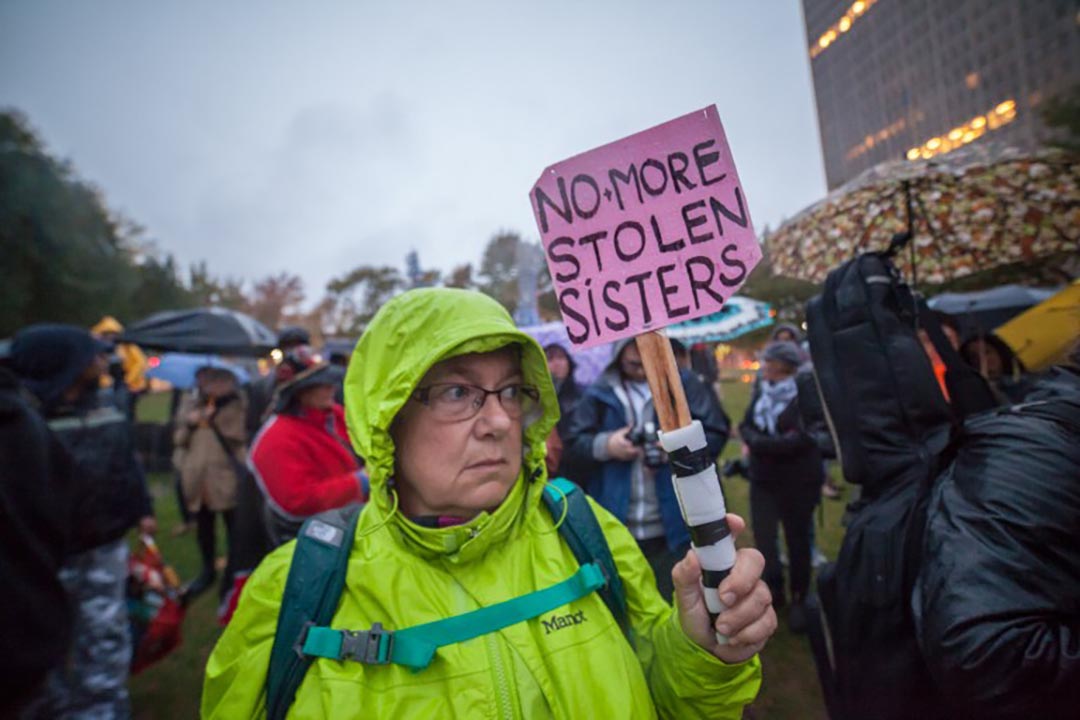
(455, 523)
(562, 366)
(634, 483)
(132, 359)
(37, 496)
(61, 366)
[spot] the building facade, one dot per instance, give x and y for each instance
(915, 78)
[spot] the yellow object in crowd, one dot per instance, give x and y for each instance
(131, 357)
(1044, 334)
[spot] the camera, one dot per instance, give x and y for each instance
(644, 435)
(646, 438)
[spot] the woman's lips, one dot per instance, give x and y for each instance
(485, 464)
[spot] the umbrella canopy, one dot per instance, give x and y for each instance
(966, 211)
(204, 330)
(739, 316)
(178, 369)
(1047, 332)
(982, 311)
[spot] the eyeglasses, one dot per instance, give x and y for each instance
(461, 401)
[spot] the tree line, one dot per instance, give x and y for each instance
(69, 258)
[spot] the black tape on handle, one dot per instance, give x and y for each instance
(710, 533)
(686, 462)
(712, 579)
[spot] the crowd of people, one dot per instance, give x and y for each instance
(452, 482)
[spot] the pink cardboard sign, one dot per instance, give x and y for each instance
(647, 231)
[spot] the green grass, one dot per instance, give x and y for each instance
(153, 408)
(171, 689)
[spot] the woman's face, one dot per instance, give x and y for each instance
(319, 397)
(558, 364)
(461, 467)
(775, 370)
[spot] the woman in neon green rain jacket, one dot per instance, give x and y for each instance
(455, 523)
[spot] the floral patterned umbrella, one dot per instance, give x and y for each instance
(969, 210)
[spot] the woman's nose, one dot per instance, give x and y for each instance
(492, 415)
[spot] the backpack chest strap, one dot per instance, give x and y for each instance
(415, 647)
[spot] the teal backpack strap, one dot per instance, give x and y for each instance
(581, 530)
(312, 590)
(415, 646)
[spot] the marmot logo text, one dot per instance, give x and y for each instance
(558, 622)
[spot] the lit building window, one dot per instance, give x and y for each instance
(1002, 114)
(840, 27)
(880, 136)
(972, 80)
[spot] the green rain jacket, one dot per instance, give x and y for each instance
(402, 574)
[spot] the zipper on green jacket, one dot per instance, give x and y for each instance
(503, 694)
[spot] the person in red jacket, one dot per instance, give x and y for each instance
(301, 457)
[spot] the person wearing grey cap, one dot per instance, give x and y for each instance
(785, 475)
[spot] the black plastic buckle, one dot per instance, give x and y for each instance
(362, 646)
(298, 646)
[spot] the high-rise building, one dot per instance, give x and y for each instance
(916, 78)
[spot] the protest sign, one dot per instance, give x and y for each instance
(647, 231)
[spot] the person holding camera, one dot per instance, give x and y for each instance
(614, 429)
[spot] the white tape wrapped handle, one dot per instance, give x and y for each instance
(701, 502)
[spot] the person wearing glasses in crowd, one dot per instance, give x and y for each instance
(450, 405)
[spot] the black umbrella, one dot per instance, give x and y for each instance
(203, 330)
(982, 311)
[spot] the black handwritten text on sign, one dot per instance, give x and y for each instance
(645, 232)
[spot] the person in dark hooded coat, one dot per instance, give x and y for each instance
(37, 501)
(997, 599)
(61, 366)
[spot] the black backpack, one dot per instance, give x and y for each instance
(891, 426)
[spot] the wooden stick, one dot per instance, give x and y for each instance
(669, 398)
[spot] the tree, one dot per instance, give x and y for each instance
(231, 295)
(67, 256)
(498, 269)
(354, 298)
(277, 297)
(461, 277)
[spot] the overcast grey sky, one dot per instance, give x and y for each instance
(317, 136)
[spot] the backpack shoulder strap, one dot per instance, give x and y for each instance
(579, 527)
(312, 590)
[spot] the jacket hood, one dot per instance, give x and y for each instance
(793, 329)
(616, 350)
(409, 335)
(49, 358)
(107, 324)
